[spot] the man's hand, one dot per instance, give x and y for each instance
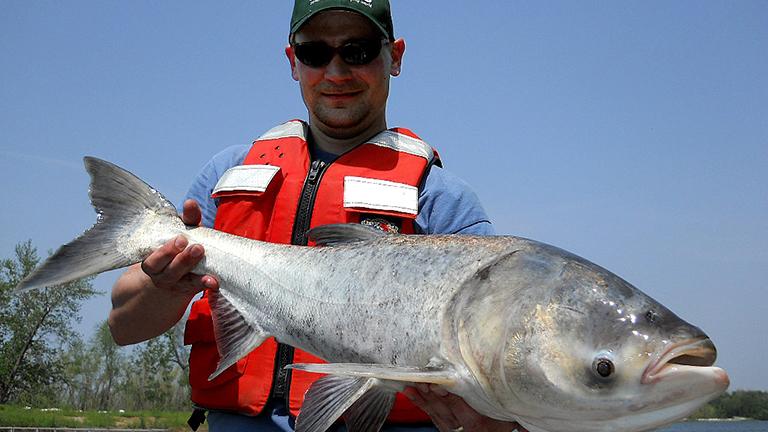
(170, 266)
(450, 413)
(150, 298)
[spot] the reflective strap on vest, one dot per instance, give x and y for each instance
(373, 194)
(247, 178)
(403, 143)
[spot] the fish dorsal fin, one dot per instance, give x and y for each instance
(235, 337)
(329, 398)
(338, 234)
(381, 371)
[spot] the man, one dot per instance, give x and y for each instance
(340, 167)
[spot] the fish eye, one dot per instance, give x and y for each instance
(603, 367)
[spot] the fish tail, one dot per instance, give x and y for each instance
(124, 203)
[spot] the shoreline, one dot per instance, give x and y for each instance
(729, 419)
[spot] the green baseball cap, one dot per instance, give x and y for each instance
(378, 11)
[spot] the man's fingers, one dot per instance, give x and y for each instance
(471, 420)
(438, 390)
(170, 267)
(438, 410)
(465, 415)
(450, 412)
(191, 213)
(415, 397)
(180, 266)
(158, 260)
(193, 284)
(420, 397)
(210, 282)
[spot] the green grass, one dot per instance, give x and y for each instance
(21, 416)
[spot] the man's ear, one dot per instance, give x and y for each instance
(398, 50)
(292, 61)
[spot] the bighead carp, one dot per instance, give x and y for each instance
(522, 331)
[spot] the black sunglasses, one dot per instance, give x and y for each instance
(354, 53)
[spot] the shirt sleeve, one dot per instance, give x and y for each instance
(203, 184)
(448, 205)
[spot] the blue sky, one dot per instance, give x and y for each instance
(634, 134)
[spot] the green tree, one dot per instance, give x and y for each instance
(740, 403)
(148, 376)
(80, 377)
(33, 327)
(751, 404)
(113, 366)
(95, 372)
(159, 373)
(708, 411)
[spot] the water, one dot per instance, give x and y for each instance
(725, 426)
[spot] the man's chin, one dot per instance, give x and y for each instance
(340, 127)
(340, 132)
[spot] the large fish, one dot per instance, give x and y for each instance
(522, 331)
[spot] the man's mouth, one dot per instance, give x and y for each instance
(341, 94)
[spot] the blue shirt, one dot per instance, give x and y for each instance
(447, 205)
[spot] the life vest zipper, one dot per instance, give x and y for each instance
(301, 225)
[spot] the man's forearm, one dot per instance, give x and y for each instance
(140, 310)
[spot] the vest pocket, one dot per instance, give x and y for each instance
(199, 323)
(204, 355)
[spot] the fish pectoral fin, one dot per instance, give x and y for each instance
(362, 394)
(370, 412)
(405, 374)
(364, 404)
(235, 337)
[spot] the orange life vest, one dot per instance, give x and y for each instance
(276, 196)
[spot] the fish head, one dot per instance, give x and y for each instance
(563, 344)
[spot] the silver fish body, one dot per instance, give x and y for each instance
(521, 330)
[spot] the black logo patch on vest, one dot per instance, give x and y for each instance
(381, 223)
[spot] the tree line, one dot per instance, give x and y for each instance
(740, 403)
(44, 362)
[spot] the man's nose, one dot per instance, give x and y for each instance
(337, 69)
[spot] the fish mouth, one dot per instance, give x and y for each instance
(687, 354)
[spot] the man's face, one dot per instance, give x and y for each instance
(343, 100)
